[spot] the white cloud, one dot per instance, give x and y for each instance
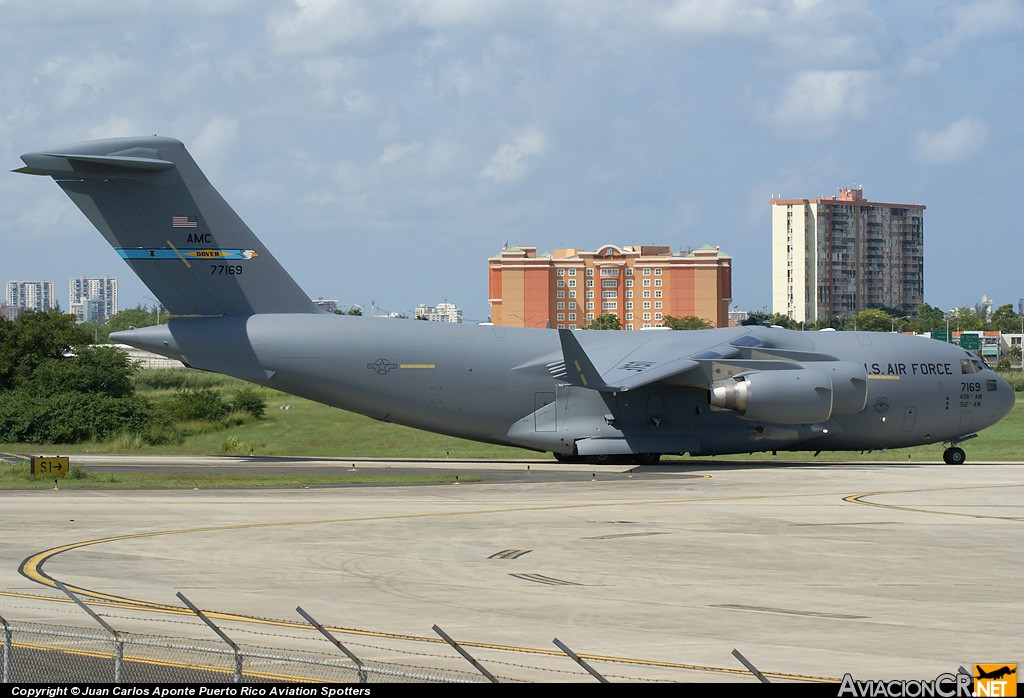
(512, 160)
(474, 13)
(983, 17)
(920, 66)
(80, 80)
(720, 16)
(215, 141)
(396, 151)
(46, 216)
(115, 126)
(966, 23)
(317, 26)
(956, 142)
(824, 98)
(820, 26)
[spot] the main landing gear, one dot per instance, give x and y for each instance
(635, 459)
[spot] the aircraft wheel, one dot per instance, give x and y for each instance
(601, 459)
(954, 456)
(647, 458)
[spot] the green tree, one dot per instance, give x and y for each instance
(1014, 355)
(92, 370)
(929, 318)
(139, 316)
(607, 321)
(834, 322)
(964, 318)
(873, 320)
(1006, 320)
(34, 338)
(687, 322)
(777, 319)
(55, 388)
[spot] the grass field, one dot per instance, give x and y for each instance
(17, 476)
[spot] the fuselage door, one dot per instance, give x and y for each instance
(909, 415)
(544, 413)
(966, 419)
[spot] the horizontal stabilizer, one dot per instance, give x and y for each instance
(60, 165)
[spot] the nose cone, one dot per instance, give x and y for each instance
(1000, 405)
(1008, 398)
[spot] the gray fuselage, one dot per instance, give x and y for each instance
(482, 383)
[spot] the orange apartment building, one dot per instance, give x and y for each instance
(568, 288)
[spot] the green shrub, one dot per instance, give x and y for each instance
(197, 404)
(249, 400)
(69, 417)
(233, 444)
(1015, 379)
(179, 378)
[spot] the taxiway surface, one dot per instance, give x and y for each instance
(880, 570)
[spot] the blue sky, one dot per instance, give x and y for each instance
(383, 149)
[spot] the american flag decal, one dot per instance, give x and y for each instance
(184, 222)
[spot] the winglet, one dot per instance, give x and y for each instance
(580, 369)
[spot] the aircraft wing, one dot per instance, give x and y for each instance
(675, 358)
(619, 371)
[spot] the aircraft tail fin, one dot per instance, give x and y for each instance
(158, 210)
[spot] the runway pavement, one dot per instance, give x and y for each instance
(881, 571)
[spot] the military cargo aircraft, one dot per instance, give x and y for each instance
(594, 396)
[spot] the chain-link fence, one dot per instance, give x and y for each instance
(37, 653)
(44, 653)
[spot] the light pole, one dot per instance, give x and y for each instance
(905, 317)
(526, 320)
(158, 305)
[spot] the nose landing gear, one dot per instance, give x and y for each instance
(954, 456)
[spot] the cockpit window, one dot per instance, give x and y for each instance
(971, 366)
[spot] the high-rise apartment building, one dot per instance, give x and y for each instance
(641, 285)
(839, 255)
(92, 299)
(442, 312)
(29, 295)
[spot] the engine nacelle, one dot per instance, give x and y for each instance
(849, 385)
(798, 396)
